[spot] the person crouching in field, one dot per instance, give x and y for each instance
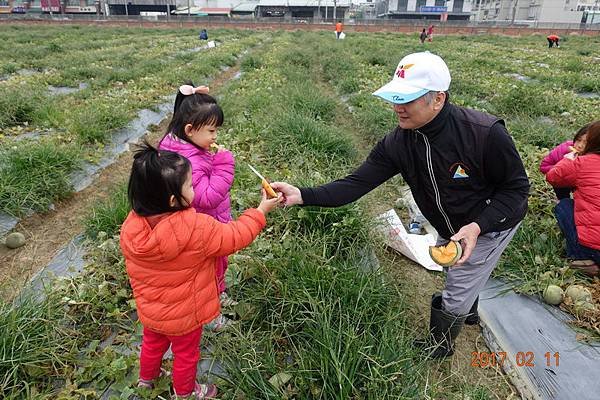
(579, 217)
(570, 146)
(170, 255)
(552, 40)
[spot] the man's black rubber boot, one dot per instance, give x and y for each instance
(473, 316)
(444, 328)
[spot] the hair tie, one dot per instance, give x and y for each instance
(188, 90)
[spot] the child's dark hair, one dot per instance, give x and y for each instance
(196, 97)
(582, 131)
(592, 145)
(196, 109)
(156, 175)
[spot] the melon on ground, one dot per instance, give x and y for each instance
(447, 255)
(579, 293)
(15, 240)
(582, 307)
(553, 295)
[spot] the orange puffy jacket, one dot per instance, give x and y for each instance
(171, 265)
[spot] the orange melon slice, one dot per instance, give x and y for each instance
(270, 192)
(447, 255)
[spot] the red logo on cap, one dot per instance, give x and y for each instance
(401, 69)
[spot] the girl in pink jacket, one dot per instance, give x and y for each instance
(556, 154)
(192, 133)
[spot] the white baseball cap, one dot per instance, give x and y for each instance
(416, 74)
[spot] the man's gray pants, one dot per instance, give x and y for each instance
(465, 282)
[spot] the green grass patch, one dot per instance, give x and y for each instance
(108, 215)
(33, 176)
(308, 135)
(20, 105)
(32, 345)
(94, 123)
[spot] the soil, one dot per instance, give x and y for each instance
(47, 233)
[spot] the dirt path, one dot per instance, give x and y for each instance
(49, 232)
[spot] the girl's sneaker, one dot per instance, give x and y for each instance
(227, 301)
(149, 384)
(201, 391)
(219, 324)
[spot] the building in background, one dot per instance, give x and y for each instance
(47, 6)
(440, 10)
(245, 10)
(303, 10)
(364, 9)
(293, 10)
(591, 11)
(528, 11)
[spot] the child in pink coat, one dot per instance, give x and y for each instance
(192, 133)
(559, 152)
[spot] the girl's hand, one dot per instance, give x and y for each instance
(571, 156)
(267, 205)
(217, 148)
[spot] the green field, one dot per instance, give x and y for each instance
(312, 307)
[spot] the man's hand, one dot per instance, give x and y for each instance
(291, 194)
(467, 236)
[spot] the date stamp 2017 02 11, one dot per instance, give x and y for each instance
(522, 359)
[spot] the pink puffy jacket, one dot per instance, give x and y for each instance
(212, 176)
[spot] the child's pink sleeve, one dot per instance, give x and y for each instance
(212, 184)
(555, 156)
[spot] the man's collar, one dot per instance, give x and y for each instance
(435, 126)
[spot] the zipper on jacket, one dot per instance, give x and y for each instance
(438, 200)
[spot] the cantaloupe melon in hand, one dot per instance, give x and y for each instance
(447, 255)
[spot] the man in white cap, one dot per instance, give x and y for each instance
(466, 177)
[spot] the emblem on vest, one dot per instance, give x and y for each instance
(459, 171)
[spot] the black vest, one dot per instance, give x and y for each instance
(443, 163)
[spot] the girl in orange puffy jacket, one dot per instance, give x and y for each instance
(170, 254)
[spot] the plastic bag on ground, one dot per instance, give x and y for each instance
(415, 247)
